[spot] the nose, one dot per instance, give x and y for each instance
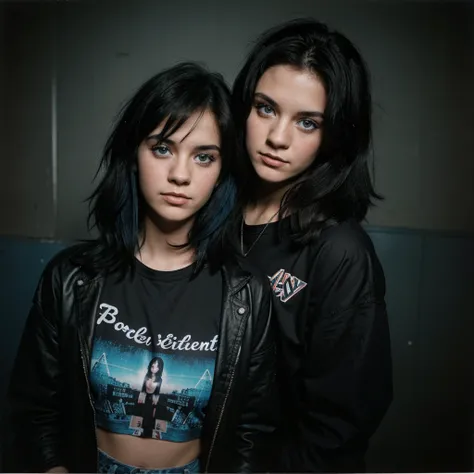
(179, 172)
(279, 135)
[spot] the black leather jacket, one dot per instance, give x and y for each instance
(52, 421)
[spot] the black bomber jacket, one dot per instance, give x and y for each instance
(51, 419)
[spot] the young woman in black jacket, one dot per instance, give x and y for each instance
(146, 350)
(302, 106)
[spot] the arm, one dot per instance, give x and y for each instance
(259, 414)
(347, 373)
(33, 420)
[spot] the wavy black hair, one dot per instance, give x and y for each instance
(116, 207)
(338, 184)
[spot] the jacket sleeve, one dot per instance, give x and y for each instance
(347, 372)
(259, 416)
(32, 426)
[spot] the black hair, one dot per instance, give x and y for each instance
(338, 184)
(116, 206)
(155, 377)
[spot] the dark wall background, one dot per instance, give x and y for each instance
(65, 68)
(69, 65)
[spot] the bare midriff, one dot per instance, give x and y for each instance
(147, 453)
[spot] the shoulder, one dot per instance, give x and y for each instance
(64, 266)
(344, 261)
(345, 242)
(70, 258)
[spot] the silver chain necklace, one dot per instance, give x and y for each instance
(258, 236)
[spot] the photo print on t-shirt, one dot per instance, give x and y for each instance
(150, 394)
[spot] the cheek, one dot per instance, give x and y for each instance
(150, 174)
(308, 149)
(255, 130)
(144, 182)
(208, 181)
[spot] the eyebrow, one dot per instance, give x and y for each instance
(168, 141)
(306, 113)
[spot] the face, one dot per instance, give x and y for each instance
(284, 126)
(154, 367)
(178, 175)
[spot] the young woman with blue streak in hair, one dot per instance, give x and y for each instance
(149, 349)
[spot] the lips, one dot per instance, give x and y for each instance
(180, 195)
(175, 199)
(273, 161)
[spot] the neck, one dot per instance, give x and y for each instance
(158, 238)
(266, 204)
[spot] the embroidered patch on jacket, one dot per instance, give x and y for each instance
(285, 285)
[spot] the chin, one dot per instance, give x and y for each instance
(270, 175)
(174, 215)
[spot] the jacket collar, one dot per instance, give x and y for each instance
(235, 276)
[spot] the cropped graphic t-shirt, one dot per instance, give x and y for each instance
(154, 351)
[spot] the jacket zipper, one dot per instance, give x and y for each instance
(222, 411)
(91, 402)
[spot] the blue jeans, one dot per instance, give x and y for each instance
(107, 464)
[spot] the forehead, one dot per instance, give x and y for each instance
(293, 89)
(199, 128)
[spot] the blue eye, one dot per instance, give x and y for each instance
(204, 159)
(264, 109)
(160, 150)
(307, 124)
